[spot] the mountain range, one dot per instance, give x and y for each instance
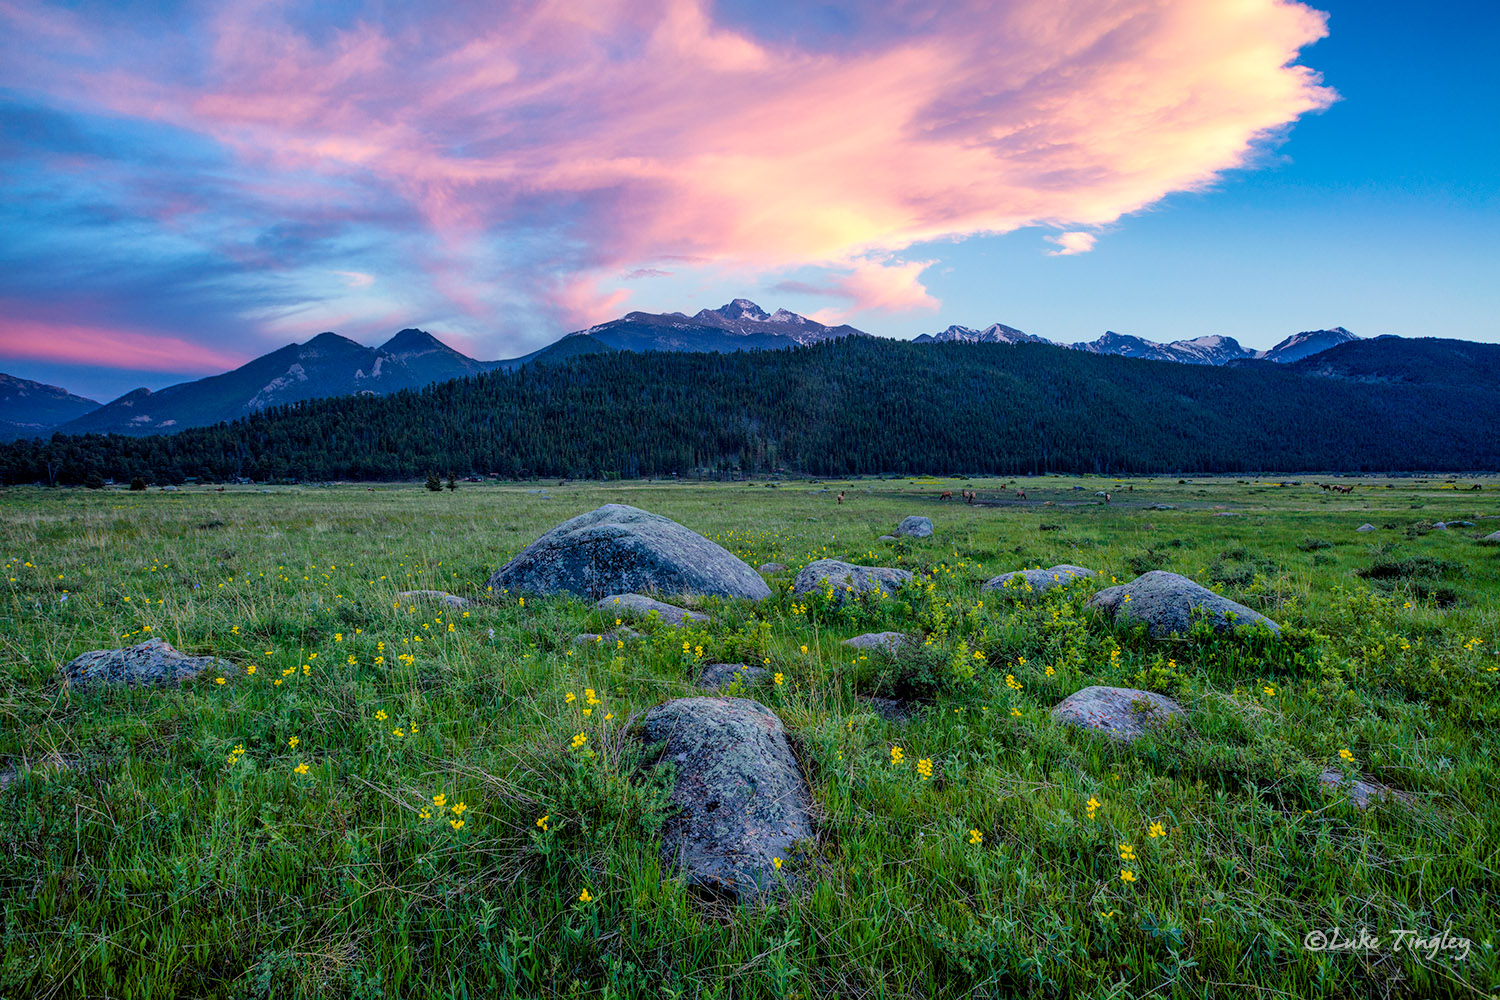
(331, 365)
(848, 406)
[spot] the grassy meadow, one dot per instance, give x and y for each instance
(390, 799)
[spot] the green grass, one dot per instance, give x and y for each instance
(137, 861)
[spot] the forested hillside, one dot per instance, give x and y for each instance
(853, 406)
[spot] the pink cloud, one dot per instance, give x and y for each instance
(36, 340)
(1071, 243)
(636, 130)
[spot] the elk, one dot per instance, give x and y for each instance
(947, 495)
(1020, 494)
(840, 497)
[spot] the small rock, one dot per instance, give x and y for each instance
(1161, 506)
(1361, 793)
(886, 538)
(641, 605)
(1120, 713)
(1036, 581)
(624, 633)
(720, 675)
(1493, 536)
(889, 709)
(152, 662)
(50, 764)
(452, 600)
(844, 576)
(915, 527)
(889, 643)
(1168, 603)
(741, 799)
(769, 568)
(1365, 527)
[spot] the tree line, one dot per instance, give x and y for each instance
(856, 406)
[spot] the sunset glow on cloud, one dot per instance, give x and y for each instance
(502, 163)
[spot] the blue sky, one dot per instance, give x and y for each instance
(364, 168)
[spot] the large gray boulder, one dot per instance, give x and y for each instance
(1035, 581)
(1119, 713)
(621, 549)
(741, 800)
(847, 576)
(915, 527)
(641, 606)
(152, 662)
(1168, 603)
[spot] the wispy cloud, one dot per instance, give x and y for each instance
(512, 162)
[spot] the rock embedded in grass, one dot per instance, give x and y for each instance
(1168, 603)
(1035, 581)
(620, 549)
(452, 600)
(741, 799)
(768, 568)
(623, 634)
(1365, 527)
(845, 577)
(915, 526)
(1493, 536)
(641, 606)
(889, 643)
(1361, 793)
(151, 662)
(1120, 713)
(719, 675)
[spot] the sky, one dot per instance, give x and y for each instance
(190, 185)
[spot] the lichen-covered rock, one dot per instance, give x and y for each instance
(1035, 581)
(641, 606)
(915, 527)
(720, 675)
(1493, 536)
(1361, 793)
(152, 662)
(741, 800)
(1168, 603)
(845, 577)
(1120, 713)
(768, 568)
(889, 643)
(1365, 527)
(619, 549)
(452, 600)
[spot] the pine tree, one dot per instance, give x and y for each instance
(433, 482)
(452, 482)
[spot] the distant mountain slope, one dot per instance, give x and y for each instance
(1210, 350)
(995, 333)
(570, 346)
(1308, 342)
(855, 405)
(327, 365)
(1456, 365)
(741, 325)
(30, 408)
(429, 359)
